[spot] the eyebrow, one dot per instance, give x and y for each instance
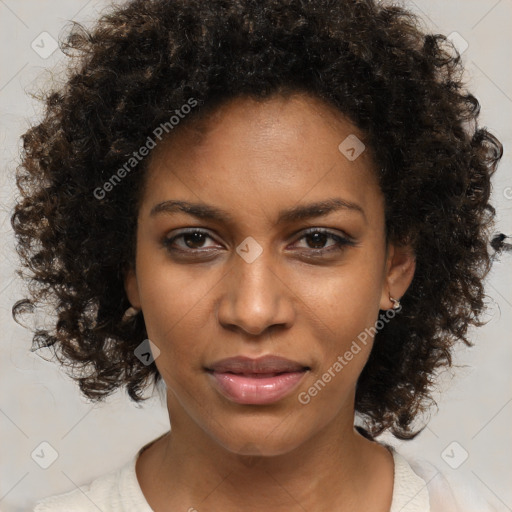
(300, 212)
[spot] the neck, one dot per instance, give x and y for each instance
(334, 470)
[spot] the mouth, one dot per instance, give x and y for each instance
(256, 381)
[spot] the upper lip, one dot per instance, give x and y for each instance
(264, 364)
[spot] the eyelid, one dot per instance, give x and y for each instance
(169, 240)
(325, 231)
(185, 231)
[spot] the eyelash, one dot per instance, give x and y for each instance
(341, 241)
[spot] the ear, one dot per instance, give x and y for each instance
(131, 287)
(400, 267)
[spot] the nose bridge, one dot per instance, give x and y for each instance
(255, 297)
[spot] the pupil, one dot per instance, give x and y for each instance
(196, 238)
(316, 240)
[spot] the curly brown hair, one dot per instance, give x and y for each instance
(145, 59)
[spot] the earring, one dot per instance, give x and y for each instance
(130, 313)
(396, 303)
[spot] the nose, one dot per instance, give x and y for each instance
(255, 297)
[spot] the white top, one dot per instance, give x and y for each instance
(422, 489)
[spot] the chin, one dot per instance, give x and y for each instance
(260, 436)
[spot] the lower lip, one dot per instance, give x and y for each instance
(244, 389)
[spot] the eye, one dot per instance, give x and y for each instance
(318, 237)
(192, 238)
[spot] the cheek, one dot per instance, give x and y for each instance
(342, 308)
(343, 301)
(343, 342)
(175, 302)
(168, 291)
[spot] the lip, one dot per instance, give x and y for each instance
(259, 381)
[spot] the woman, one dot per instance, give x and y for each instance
(280, 209)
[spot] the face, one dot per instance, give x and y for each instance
(253, 271)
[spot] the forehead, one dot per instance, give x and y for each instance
(261, 154)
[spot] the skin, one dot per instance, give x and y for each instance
(254, 159)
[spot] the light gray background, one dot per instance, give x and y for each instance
(38, 403)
